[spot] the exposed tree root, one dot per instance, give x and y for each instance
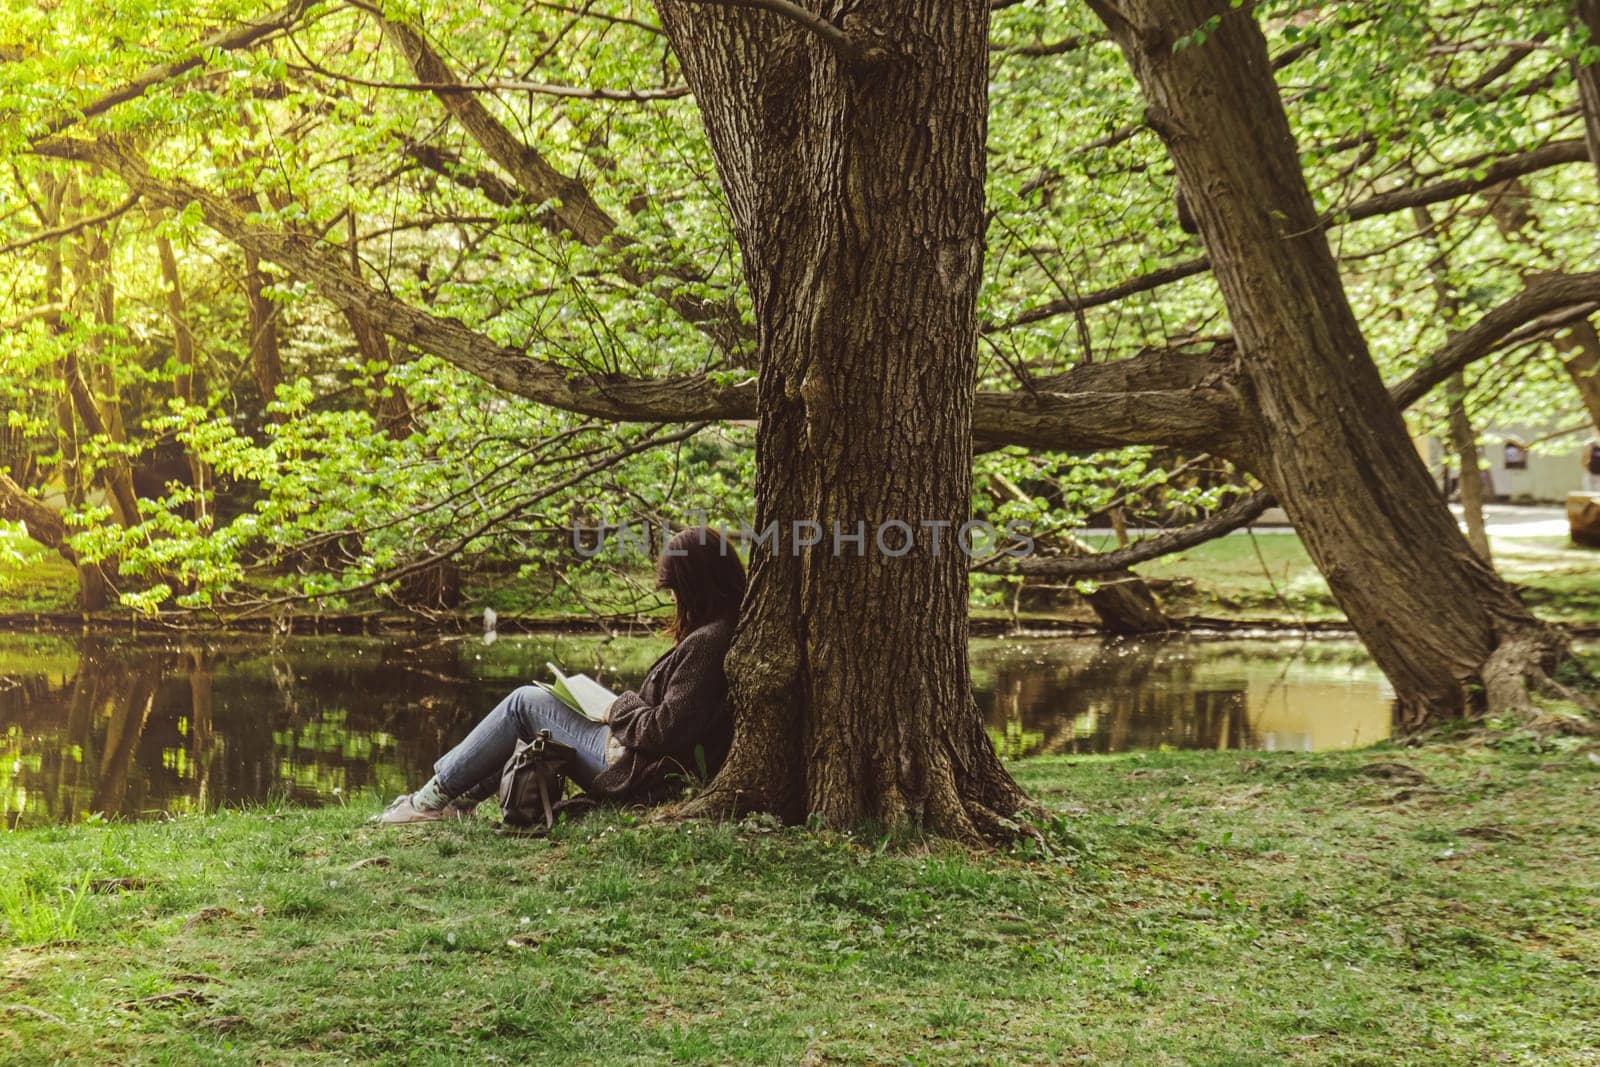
(1521, 670)
(981, 808)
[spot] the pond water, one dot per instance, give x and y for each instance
(122, 729)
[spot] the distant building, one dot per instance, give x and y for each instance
(1520, 463)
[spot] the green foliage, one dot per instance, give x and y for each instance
(321, 493)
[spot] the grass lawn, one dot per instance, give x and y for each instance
(32, 577)
(1213, 908)
(1273, 577)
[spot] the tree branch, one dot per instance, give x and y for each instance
(1143, 550)
(242, 36)
(1159, 397)
(575, 211)
(1542, 158)
(618, 397)
(44, 525)
(842, 44)
(70, 228)
(501, 85)
(1163, 397)
(1542, 295)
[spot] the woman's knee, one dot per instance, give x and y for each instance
(526, 695)
(531, 706)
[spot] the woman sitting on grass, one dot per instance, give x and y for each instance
(676, 725)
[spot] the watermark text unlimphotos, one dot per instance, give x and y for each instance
(890, 538)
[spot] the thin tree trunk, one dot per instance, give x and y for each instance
(1463, 438)
(186, 382)
(1330, 444)
(93, 582)
(266, 365)
(116, 475)
(857, 197)
(1464, 443)
(394, 407)
(101, 414)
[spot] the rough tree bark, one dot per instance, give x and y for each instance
(855, 176)
(1329, 442)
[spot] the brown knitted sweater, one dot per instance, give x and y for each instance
(682, 705)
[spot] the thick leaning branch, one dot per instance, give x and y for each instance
(1543, 295)
(1161, 397)
(683, 398)
(44, 525)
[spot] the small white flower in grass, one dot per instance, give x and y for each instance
(450, 937)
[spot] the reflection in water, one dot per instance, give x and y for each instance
(131, 730)
(1087, 696)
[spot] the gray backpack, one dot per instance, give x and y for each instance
(534, 781)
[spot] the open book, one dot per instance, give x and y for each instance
(579, 692)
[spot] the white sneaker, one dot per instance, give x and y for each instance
(400, 812)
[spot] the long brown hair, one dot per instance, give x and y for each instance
(704, 571)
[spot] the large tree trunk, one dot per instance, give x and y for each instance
(856, 185)
(1330, 444)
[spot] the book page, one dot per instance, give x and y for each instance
(580, 693)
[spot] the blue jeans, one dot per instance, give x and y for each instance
(472, 768)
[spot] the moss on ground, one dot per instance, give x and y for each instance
(1387, 906)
